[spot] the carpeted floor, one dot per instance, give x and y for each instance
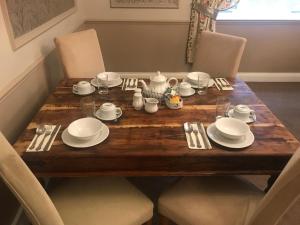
(281, 98)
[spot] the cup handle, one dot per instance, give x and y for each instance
(252, 114)
(173, 78)
(75, 88)
(118, 111)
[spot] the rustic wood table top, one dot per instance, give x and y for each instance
(142, 144)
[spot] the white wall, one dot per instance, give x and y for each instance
(14, 63)
(100, 10)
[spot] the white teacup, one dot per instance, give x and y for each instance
(185, 88)
(82, 87)
(242, 112)
(109, 111)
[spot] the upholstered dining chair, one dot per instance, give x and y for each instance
(80, 54)
(233, 201)
(82, 201)
(218, 54)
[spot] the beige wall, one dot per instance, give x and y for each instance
(14, 63)
(151, 46)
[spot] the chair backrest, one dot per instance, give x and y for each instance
(80, 54)
(218, 54)
(280, 206)
(26, 187)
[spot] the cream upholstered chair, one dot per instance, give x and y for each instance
(233, 201)
(80, 54)
(218, 54)
(82, 201)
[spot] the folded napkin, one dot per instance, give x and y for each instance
(48, 139)
(194, 136)
(130, 84)
(223, 84)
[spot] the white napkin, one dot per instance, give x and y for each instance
(40, 138)
(224, 88)
(130, 81)
(188, 135)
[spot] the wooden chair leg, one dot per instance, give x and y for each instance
(148, 222)
(164, 220)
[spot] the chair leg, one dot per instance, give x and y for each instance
(148, 222)
(164, 220)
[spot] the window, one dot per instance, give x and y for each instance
(263, 10)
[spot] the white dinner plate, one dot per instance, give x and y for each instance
(250, 119)
(93, 89)
(214, 135)
(192, 92)
(98, 115)
(114, 84)
(73, 142)
(210, 83)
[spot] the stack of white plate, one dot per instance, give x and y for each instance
(85, 132)
(192, 78)
(111, 79)
(231, 133)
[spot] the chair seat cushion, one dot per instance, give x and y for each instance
(102, 200)
(210, 201)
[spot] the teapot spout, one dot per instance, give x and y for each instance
(145, 87)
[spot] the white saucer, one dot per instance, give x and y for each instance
(213, 134)
(93, 89)
(210, 83)
(73, 142)
(192, 92)
(115, 84)
(251, 119)
(98, 115)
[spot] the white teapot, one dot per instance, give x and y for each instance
(158, 83)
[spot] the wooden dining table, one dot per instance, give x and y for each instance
(143, 144)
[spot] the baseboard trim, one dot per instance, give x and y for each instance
(269, 77)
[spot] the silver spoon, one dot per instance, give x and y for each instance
(39, 131)
(47, 133)
(189, 130)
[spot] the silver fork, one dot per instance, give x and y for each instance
(47, 133)
(196, 132)
(189, 131)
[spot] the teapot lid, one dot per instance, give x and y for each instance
(158, 77)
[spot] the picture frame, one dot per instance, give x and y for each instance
(162, 4)
(18, 41)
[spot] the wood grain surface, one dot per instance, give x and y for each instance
(142, 144)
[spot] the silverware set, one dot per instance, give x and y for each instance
(196, 136)
(223, 84)
(129, 84)
(48, 134)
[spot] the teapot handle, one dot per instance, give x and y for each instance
(173, 78)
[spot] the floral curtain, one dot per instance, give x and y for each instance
(203, 17)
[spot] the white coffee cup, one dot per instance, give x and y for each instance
(185, 88)
(242, 112)
(109, 111)
(82, 87)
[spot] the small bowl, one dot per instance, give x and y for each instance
(232, 128)
(193, 76)
(85, 129)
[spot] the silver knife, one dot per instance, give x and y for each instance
(127, 83)
(204, 135)
(51, 137)
(123, 85)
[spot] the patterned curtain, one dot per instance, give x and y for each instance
(203, 17)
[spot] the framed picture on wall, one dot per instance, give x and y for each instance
(167, 4)
(26, 20)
